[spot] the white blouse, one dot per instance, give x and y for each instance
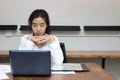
(54, 47)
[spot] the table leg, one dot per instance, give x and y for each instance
(103, 63)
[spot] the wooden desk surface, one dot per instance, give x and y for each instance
(4, 53)
(93, 54)
(95, 73)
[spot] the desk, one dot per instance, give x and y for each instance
(4, 53)
(95, 73)
(84, 54)
(94, 54)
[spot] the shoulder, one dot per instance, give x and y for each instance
(56, 38)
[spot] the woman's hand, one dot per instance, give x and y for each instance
(33, 38)
(41, 39)
(44, 39)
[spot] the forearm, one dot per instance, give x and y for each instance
(56, 53)
(27, 45)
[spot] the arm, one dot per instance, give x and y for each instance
(56, 52)
(26, 44)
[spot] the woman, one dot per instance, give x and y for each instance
(40, 39)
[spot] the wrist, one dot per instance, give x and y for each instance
(29, 38)
(52, 39)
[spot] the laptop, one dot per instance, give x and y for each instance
(30, 62)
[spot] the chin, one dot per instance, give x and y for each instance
(39, 34)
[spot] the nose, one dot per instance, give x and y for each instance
(38, 28)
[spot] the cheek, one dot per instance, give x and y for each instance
(33, 29)
(45, 29)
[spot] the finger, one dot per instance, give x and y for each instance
(42, 41)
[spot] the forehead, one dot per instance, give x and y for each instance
(38, 20)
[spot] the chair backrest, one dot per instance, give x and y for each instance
(62, 45)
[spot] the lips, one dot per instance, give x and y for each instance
(39, 34)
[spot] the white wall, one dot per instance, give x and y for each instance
(65, 12)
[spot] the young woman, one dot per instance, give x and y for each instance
(40, 39)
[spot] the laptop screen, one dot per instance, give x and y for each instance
(30, 62)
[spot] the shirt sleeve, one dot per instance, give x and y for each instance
(56, 52)
(25, 44)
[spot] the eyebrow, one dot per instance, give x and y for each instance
(39, 24)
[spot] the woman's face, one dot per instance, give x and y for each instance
(38, 26)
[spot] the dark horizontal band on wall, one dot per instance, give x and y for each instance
(65, 28)
(56, 28)
(8, 27)
(102, 28)
(24, 27)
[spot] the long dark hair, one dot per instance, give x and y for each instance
(44, 15)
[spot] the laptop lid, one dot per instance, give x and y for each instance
(30, 62)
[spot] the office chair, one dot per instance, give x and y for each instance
(62, 45)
